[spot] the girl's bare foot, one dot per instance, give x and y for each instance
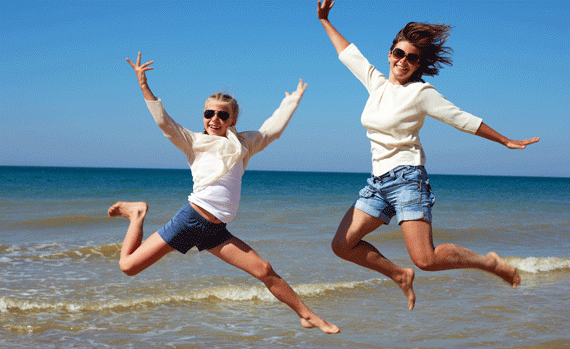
(406, 284)
(316, 321)
(130, 210)
(503, 270)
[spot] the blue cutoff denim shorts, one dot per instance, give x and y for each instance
(188, 229)
(403, 192)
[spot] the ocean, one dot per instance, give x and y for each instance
(61, 286)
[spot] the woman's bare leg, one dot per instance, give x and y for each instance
(348, 244)
(136, 255)
(240, 255)
(419, 241)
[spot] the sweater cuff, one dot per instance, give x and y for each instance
(155, 106)
(347, 51)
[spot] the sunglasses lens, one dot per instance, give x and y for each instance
(413, 58)
(398, 53)
(223, 115)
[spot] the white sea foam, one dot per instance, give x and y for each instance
(220, 293)
(536, 265)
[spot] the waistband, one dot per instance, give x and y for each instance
(206, 223)
(392, 174)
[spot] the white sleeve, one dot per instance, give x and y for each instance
(371, 78)
(443, 110)
(181, 137)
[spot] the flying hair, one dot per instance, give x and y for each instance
(429, 39)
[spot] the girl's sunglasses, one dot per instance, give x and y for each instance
(400, 54)
(223, 115)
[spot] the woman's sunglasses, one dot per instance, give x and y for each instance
(400, 54)
(223, 115)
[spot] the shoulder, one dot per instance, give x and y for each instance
(423, 89)
(248, 136)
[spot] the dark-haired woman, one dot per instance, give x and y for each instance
(399, 186)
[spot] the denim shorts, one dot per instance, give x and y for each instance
(403, 192)
(188, 229)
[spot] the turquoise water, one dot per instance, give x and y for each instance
(60, 284)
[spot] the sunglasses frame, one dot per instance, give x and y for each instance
(413, 58)
(222, 114)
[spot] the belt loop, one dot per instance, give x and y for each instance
(374, 178)
(392, 175)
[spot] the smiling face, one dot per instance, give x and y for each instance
(216, 126)
(401, 69)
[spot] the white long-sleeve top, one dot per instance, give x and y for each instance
(211, 157)
(394, 114)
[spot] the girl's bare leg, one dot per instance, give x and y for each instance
(419, 241)
(136, 255)
(240, 255)
(348, 244)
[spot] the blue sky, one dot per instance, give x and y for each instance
(69, 98)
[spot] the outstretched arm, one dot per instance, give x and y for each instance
(338, 41)
(274, 126)
(177, 134)
(141, 70)
(487, 132)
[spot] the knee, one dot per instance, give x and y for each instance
(340, 248)
(446, 256)
(128, 268)
(424, 263)
(263, 270)
(427, 261)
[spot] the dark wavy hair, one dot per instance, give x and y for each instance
(429, 39)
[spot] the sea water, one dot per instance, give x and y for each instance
(61, 286)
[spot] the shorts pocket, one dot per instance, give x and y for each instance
(366, 193)
(412, 175)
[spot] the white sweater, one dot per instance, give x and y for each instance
(394, 114)
(228, 150)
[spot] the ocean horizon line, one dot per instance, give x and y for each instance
(257, 170)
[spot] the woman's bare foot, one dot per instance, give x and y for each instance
(406, 284)
(130, 210)
(503, 270)
(316, 321)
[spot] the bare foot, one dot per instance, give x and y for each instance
(503, 270)
(316, 321)
(130, 210)
(406, 284)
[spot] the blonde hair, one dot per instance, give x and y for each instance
(225, 99)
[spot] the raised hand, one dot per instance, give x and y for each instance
(300, 89)
(141, 70)
(323, 10)
(141, 76)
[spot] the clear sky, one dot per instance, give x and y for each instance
(69, 98)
